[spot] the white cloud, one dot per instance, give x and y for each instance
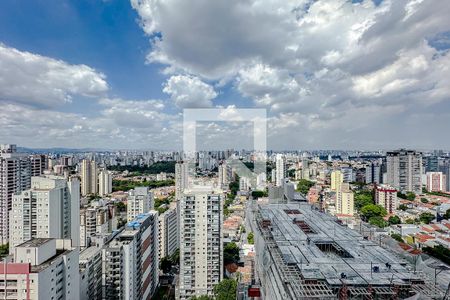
(42, 81)
(189, 92)
(326, 70)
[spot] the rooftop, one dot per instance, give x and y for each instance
(318, 256)
(35, 242)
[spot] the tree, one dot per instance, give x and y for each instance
(226, 290)
(403, 207)
(231, 253)
(447, 214)
(165, 264)
(4, 250)
(120, 206)
(372, 210)
(426, 217)
(251, 238)
(363, 198)
(424, 200)
(259, 194)
(440, 252)
(378, 221)
(410, 196)
(175, 257)
(397, 237)
(304, 185)
(394, 220)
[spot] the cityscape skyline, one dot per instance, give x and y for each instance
(110, 74)
(224, 150)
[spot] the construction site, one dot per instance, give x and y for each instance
(303, 253)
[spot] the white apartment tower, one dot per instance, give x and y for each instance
(168, 233)
(49, 209)
(104, 183)
(201, 242)
(181, 178)
(89, 177)
(15, 176)
(404, 170)
(223, 176)
(42, 269)
(130, 260)
(280, 169)
(139, 201)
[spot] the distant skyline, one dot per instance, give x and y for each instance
(334, 74)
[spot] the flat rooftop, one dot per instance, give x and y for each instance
(35, 242)
(314, 247)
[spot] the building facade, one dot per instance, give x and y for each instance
(139, 201)
(201, 245)
(15, 176)
(104, 183)
(336, 180)
(168, 233)
(130, 260)
(181, 178)
(386, 196)
(404, 170)
(49, 209)
(280, 169)
(436, 182)
(89, 177)
(345, 204)
(41, 269)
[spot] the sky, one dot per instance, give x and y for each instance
(117, 74)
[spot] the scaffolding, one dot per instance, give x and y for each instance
(318, 258)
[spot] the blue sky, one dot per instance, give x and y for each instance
(117, 74)
(102, 34)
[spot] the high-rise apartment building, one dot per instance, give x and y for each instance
(404, 170)
(386, 196)
(38, 164)
(345, 204)
(15, 176)
(373, 173)
(104, 183)
(336, 180)
(95, 220)
(168, 233)
(348, 174)
(181, 178)
(42, 269)
(280, 167)
(224, 176)
(139, 201)
(436, 182)
(49, 209)
(201, 245)
(91, 273)
(89, 177)
(446, 171)
(130, 260)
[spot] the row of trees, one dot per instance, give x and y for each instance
(156, 168)
(126, 185)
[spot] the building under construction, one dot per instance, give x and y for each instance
(303, 253)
